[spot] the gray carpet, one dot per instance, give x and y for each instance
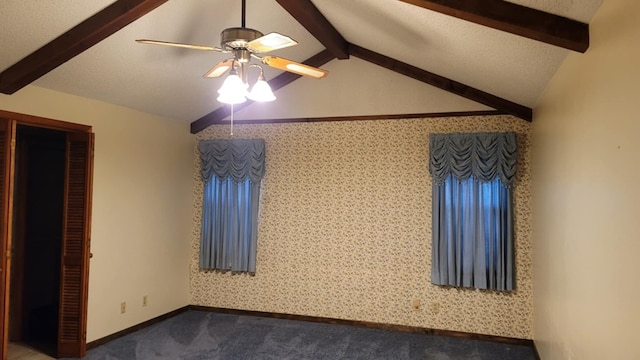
(196, 335)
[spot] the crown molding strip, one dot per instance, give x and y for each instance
(363, 117)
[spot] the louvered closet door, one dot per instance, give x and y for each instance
(7, 134)
(75, 246)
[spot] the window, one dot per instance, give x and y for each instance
(472, 239)
(231, 171)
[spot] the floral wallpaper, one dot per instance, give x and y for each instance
(345, 228)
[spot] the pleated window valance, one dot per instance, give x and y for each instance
(239, 159)
(484, 156)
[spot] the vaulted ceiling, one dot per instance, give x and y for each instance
(385, 57)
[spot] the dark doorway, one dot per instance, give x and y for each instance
(37, 233)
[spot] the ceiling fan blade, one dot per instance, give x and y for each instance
(219, 69)
(270, 42)
(179, 45)
(294, 67)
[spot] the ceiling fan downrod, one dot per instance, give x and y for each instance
(237, 38)
(243, 21)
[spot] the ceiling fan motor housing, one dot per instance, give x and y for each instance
(237, 38)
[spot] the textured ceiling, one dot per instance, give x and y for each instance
(168, 81)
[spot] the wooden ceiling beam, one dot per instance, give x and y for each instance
(312, 19)
(73, 42)
(443, 83)
(516, 19)
(218, 115)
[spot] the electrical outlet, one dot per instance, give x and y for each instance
(435, 307)
(123, 307)
(144, 300)
(416, 304)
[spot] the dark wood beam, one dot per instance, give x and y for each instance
(516, 19)
(443, 83)
(73, 42)
(219, 114)
(312, 19)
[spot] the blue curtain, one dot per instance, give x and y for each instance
(472, 210)
(231, 171)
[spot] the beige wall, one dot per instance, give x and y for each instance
(141, 206)
(345, 229)
(586, 172)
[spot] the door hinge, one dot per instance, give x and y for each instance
(13, 144)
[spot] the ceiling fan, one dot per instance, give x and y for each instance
(246, 44)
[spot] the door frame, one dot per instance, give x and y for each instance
(77, 347)
(6, 219)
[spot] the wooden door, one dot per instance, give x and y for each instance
(72, 323)
(7, 147)
(74, 276)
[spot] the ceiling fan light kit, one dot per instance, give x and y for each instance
(245, 44)
(261, 91)
(233, 90)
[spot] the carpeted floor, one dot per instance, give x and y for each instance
(196, 335)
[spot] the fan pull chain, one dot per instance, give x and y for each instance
(231, 119)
